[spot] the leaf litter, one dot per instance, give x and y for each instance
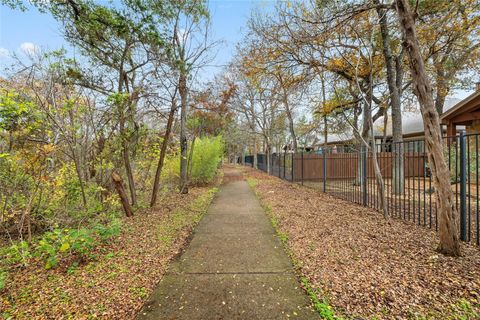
(121, 275)
(366, 266)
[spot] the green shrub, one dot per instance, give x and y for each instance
(17, 253)
(107, 232)
(59, 242)
(78, 242)
(54, 245)
(207, 155)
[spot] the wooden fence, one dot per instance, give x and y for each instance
(347, 165)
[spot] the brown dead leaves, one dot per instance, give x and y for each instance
(115, 283)
(367, 266)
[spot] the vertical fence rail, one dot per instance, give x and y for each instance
(463, 188)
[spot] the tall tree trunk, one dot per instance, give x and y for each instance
(163, 152)
(182, 88)
(363, 139)
(268, 157)
(376, 167)
(26, 215)
(291, 126)
(325, 133)
(447, 214)
(385, 129)
(395, 103)
(442, 89)
(255, 159)
(129, 171)
(325, 122)
(378, 173)
(124, 138)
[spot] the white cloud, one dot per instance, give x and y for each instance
(4, 53)
(29, 48)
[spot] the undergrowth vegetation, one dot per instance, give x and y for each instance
(59, 245)
(111, 268)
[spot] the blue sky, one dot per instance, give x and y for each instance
(24, 31)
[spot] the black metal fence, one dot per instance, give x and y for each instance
(348, 172)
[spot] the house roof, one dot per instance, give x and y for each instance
(466, 105)
(412, 121)
(412, 125)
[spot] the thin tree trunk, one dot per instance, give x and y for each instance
(442, 90)
(376, 167)
(291, 126)
(80, 180)
(385, 128)
(125, 140)
(182, 88)
(26, 216)
(72, 145)
(325, 122)
(447, 214)
(129, 172)
(395, 103)
(255, 159)
(378, 174)
(118, 183)
(363, 138)
(163, 152)
(325, 133)
(268, 156)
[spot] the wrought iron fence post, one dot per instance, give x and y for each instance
(284, 158)
(302, 167)
(364, 175)
(279, 161)
(293, 161)
(463, 187)
(324, 170)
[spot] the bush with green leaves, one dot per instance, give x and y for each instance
(17, 254)
(57, 244)
(207, 156)
(77, 242)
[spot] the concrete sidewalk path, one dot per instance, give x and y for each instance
(234, 268)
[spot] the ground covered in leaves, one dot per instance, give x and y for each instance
(364, 266)
(120, 275)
